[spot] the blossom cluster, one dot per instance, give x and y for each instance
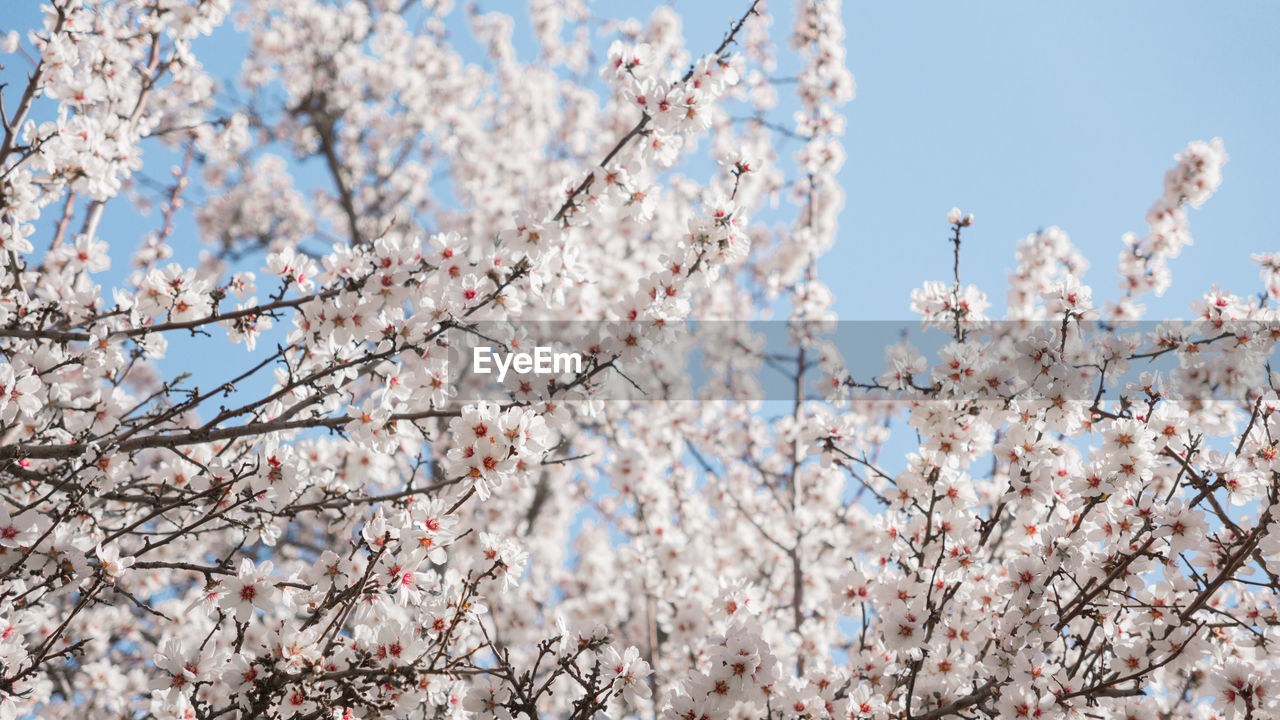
(245, 473)
(1144, 262)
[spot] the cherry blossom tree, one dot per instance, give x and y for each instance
(333, 515)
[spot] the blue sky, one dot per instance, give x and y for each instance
(1038, 114)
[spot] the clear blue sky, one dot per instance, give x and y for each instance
(1038, 114)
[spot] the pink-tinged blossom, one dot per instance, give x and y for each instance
(250, 587)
